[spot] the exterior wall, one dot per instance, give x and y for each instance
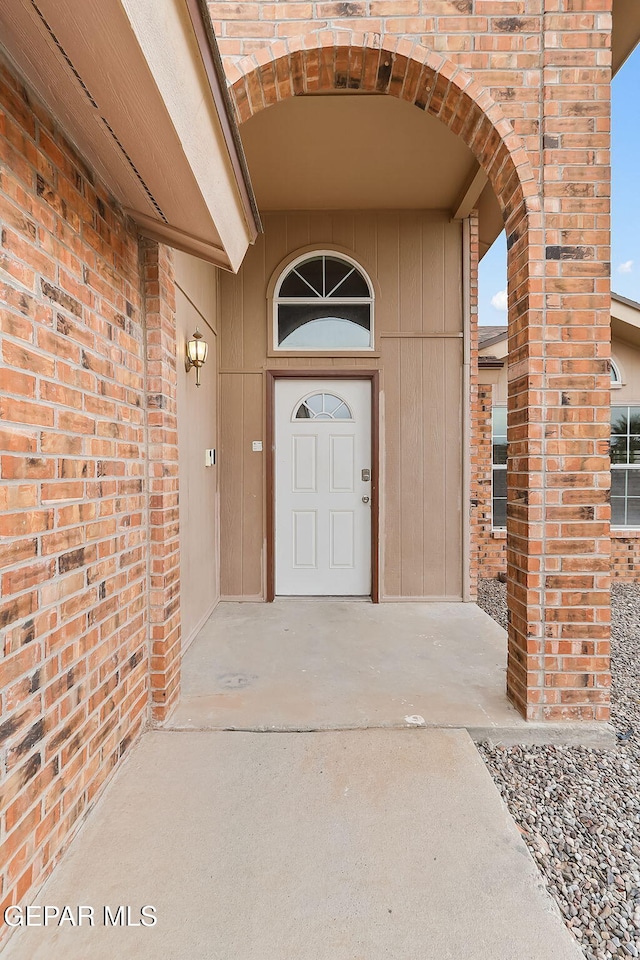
(490, 546)
(74, 662)
(627, 358)
(197, 306)
(415, 260)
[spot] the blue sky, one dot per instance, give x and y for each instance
(625, 209)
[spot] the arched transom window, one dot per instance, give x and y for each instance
(616, 379)
(323, 406)
(323, 301)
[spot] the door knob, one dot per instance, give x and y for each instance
(365, 499)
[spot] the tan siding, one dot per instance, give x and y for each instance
(231, 481)
(415, 260)
(197, 306)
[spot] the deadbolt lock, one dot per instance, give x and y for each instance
(366, 474)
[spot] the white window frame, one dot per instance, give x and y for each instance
(310, 301)
(496, 466)
(625, 466)
(616, 375)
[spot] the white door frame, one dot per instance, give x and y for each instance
(373, 377)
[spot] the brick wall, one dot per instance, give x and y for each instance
(490, 546)
(74, 667)
(490, 552)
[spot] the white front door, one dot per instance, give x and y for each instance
(323, 487)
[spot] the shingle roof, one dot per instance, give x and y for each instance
(489, 335)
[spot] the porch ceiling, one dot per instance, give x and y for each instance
(350, 151)
(107, 71)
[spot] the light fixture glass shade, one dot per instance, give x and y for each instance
(197, 350)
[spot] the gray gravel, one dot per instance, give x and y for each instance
(577, 808)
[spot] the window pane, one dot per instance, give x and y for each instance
(617, 511)
(353, 286)
(294, 286)
(499, 483)
(618, 450)
(633, 482)
(634, 420)
(315, 403)
(342, 413)
(304, 326)
(331, 403)
(618, 483)
(634, 449)
(619, 419)
(499, 419)
(633, 511)
(323, 406)
(500, 450)
(312, 271)
(499, 512)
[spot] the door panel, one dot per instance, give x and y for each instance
(304, 465)
(323, 504)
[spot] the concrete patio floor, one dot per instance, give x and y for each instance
(305, 665)
(350, 845)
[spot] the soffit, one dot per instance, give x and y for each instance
(625, 320)
(626, 30)
(126, 81)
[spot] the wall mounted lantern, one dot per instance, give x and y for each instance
(197, 350)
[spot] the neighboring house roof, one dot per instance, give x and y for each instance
(628, 312)
(487, 336)
(625, 300)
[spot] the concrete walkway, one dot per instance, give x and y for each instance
(361, 845)
(297, 665)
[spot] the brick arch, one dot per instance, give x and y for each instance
(341, 60)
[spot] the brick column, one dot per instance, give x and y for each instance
(558, 512)
(164, 545)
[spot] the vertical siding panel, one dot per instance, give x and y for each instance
(298, 231)
(231, 321)
(276, 249)
(410, 271)
(252, 533)
(231, 479)
(387, 309)
(343, 232)
(365, 241)
(453, 466)
(452, 248)
(412, 431)
(436, 521)
(254, 329)
(391, 454)
(433, 266)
